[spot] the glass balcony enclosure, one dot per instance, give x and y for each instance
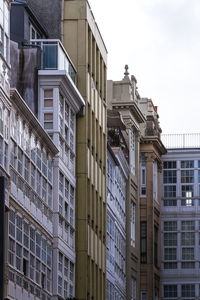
(54, 57)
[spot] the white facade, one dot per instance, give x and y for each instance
(59, 103)
(117, 176)
(30, 239)
(180, 224)
(5, 45)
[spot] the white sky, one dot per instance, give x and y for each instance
(160, 41)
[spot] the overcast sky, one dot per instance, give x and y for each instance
(160, 42)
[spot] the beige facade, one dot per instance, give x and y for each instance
(123, 97)
(83, 42)
(151, 150)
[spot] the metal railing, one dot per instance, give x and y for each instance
(55, 57)
(182, 140)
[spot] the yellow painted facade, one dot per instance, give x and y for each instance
(85, 46)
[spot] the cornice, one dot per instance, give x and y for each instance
(131, 105)
(34, 123)
(157, 143)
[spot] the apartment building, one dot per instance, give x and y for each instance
(180, 217)
(47, 81)
(74, 23)
(30, 236)
(117, 179)
(151, 151)
(4, 131)
(124, 97)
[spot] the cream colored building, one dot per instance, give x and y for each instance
(86, 48)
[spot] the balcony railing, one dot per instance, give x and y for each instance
(54, 57)
(184, 140)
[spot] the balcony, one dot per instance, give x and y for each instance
(53, 56)
(185, 140)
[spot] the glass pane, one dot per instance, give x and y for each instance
(50, 56)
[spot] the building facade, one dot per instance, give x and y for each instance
(30, 238)
(4, 131)
(151, 151)
(75, 25)
(180, 217)
(49, 89)
(117, 179)
(123, 97)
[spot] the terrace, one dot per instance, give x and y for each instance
(182, 140)
(54, 57)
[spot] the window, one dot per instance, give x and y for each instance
(170, 191)
(26, 234)
(155, 180)
(186, 164)
(71, 195)
(187, 176)
(60, 261)
(187, 238)
(60, 285)
(188, 225)
(71, 271)
(187, 191)
(188, 265)
(187, 290)
(19, 228)
(170, 291)
(32, 260)
(26, 169)
(143, 296)
(143, 242)
(132, 151)
(13, 153)
(170, 265)
(32, 239)
(132, 224)
(20, 161)
(18, 257)
(170, 239)
(11, 252)
(187, 253)
(170, 226)
(170, 253)
(61, 182)
(71, 217)
(169, 176)
(66, 263)
(60, 205)
(170, 165)
(143, 175)
(65, 289)
(170, 202)
(48, 98)
(50, 56)
(133, 288)
(48, 121)
(155, 246)
(12, 223)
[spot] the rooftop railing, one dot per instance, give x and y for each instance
(182, 140)
(55, 57)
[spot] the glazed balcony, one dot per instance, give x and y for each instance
(53, 56)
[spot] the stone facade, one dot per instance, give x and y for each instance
(123, 97)
(151, 150)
